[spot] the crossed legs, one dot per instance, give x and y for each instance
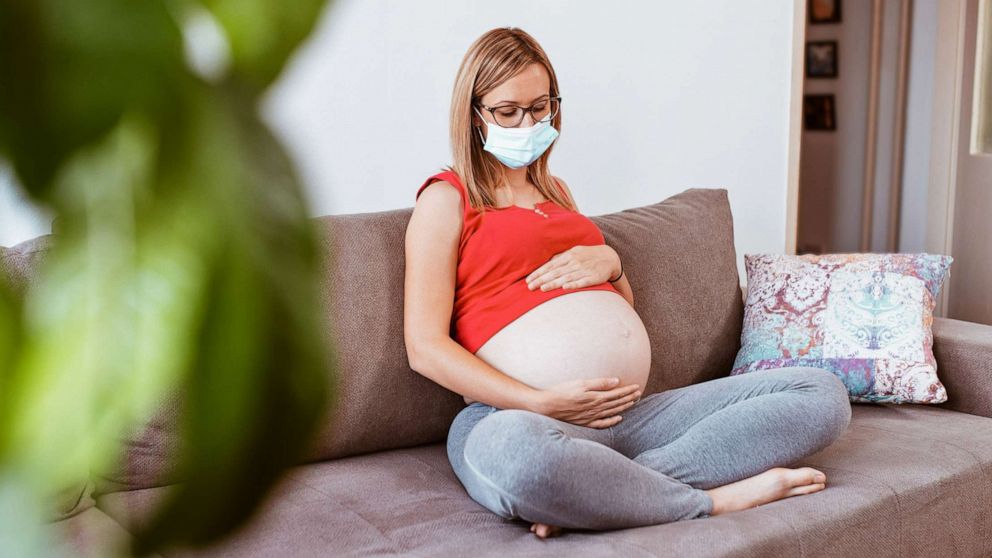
(656, 465)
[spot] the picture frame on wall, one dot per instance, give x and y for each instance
(818, 112)
(824, 11)
(821, 59)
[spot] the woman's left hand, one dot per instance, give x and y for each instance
(577, 267)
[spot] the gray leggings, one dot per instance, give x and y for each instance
(655, 465)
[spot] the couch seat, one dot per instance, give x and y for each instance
(908, 480)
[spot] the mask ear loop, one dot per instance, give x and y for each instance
(479, 128)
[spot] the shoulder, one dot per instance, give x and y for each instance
(446, 181)
(438, 206)
(439, 192)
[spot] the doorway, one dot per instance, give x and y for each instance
(891, 153)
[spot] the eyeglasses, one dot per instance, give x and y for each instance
(510, 116)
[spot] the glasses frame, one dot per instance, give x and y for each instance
(529, 109)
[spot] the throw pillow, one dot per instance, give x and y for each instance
(865, 317)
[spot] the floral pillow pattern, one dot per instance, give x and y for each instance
(865, 317)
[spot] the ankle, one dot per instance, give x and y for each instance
(718, 503)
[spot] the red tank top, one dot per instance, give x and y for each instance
(496, 253)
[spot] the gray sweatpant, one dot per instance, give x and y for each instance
(655, 465)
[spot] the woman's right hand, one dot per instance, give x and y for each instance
(594, 403)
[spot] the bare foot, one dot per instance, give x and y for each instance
(774, 484)
(545, 531)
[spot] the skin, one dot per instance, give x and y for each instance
(587, 265)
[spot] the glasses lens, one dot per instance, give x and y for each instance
(545, 110)
(508, 117)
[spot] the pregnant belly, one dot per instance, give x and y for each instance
(585, 334)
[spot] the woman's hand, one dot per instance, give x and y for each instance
(593, 403)
(577, 267)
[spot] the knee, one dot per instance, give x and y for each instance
(832, 399)
(506, 449)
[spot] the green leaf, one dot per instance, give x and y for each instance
(186, 261)
(71, 69)
(257, 386)
(263, 33)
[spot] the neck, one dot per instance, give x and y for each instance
(517, 178)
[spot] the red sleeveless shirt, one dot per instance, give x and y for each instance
(496, 253)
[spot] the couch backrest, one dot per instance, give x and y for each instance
(18, 264)
(682, 263)
(678, 255)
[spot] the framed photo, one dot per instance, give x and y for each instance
(824, 11)
(818, 112)
(821, 59)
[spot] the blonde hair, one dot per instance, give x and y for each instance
(493, 58)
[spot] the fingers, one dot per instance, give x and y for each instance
(606, 422)
(574, 279)
(626, 404)
(603, 406)
(607, 416)
(600, 383)
(608, 397)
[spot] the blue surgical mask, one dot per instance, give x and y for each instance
(517, 147)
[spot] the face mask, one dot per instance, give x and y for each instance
(517, 147)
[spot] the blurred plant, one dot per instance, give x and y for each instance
(185, 260)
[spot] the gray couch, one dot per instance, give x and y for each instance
(908, 480)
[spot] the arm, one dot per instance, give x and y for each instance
(964, 364)
(431, 248)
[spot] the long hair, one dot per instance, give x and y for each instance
(493, 58)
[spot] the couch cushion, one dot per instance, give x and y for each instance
(902, 481)
(90, 534)
(19, 263)
(146, 457)
(813, 310)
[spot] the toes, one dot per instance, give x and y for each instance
(818, 477)
(545, 531)
(806, 489)
(804, 476)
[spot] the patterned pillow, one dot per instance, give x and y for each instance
(864, 317)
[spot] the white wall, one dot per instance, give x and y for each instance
(659, 96)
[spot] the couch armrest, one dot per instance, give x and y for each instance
(964, 364)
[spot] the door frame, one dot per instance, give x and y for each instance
(945, 126)
(795, 125)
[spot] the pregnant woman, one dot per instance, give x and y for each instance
(514, 300)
